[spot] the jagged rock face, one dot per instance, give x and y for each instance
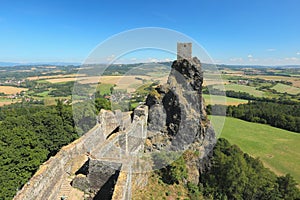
(176, 112)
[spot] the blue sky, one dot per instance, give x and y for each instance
(231, 31)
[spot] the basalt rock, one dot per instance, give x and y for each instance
(177, 118)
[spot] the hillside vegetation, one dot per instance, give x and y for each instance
(231, 175)
(278, 149)
(29, 135)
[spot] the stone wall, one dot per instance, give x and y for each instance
(47, 181)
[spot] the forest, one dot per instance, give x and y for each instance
(29, 135)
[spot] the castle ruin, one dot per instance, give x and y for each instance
(173, 119)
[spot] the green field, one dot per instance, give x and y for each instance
(282, 88)
(242, 88)
(278, 149)
(43, 94)
(215, 99)
(104, 88)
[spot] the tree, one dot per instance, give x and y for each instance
(236, 175)
(288, 187)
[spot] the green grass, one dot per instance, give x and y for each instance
(104, 88)
(215, 99)
(242, 88)
(282, 88)
(43, 94)
(5, 99)
(144, 89)
(42, 81)
(134, 105)
(278, 149)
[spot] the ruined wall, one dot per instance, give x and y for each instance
(101, 141)
(47, 181)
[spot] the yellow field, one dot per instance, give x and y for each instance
(55, 77)
(11, 89)
(235, 72)
(129, 83)
(207, 82)
(60, 80)
(2, 103)
(216, 99)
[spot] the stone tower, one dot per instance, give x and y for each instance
(184, 51)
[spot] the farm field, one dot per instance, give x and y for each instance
(242, 88)
(278, 149)
(215, 99)
(294, 80)
(11, 89)
(104, 88)
(60, 80)
(55, 76)
(130, 83)
(207, 82)
(286, 88)
(5, 101)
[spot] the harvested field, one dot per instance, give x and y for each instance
(215, 99)
(11, 89)
(61, 76)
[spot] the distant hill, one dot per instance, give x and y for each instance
(7, 64)
(12, 64)
(204, 65)
(254, 66)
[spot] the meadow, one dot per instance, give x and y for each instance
(216, 99)
(281, 88)
(5, 101)
(242, 88)
(278, 149)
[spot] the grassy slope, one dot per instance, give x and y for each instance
(278, 149)
(156, 189)
(104, 88)
(215, 99)
(243, 88)
(286, 88)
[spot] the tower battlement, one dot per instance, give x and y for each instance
(184, 51)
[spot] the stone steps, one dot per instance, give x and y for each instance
(65, 188)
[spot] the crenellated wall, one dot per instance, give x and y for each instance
(51, 179)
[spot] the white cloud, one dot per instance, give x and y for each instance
(236, 59)
(253, 59)
(271, 49)
(291, 59)
(250, 56)
(110, 58)
(152, 60)
(298, 53)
